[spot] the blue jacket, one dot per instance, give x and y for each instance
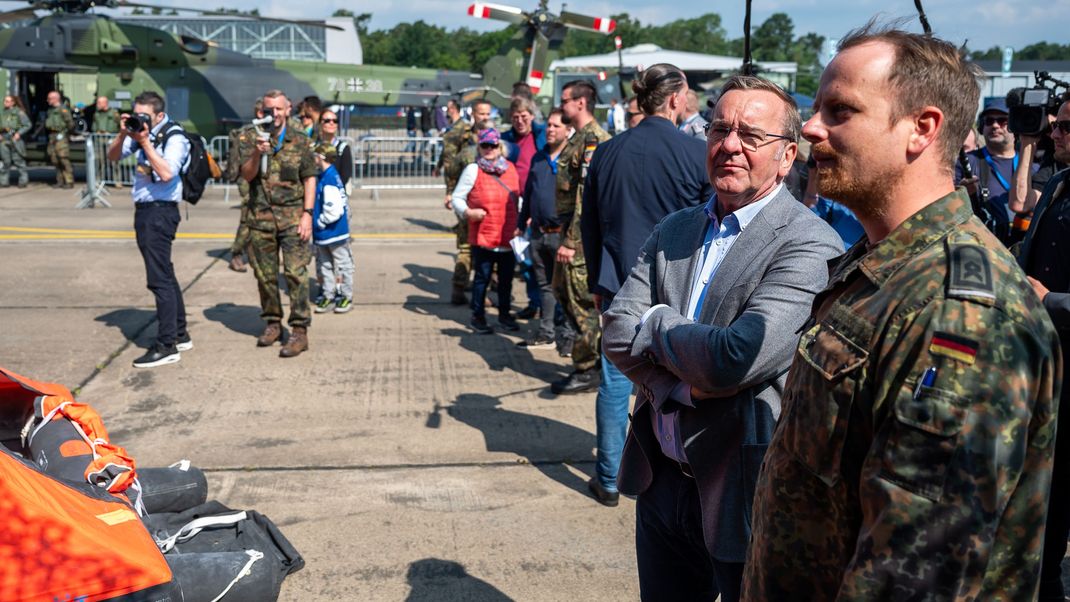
(539, 129)
(337, 230)
(540, 194)
(635, 180)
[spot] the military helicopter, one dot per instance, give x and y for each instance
(213, 89)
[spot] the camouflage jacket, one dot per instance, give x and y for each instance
(288, 168)
(451, 162)
(14, 121)
(571, 172)
(242, 136)
(106, 122)
(912, 459)
(59, 120)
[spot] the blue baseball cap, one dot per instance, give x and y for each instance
(996, 105)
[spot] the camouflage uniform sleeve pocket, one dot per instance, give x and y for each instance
(824, 395)
(921, 440)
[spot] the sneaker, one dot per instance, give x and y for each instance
(342, 305)
(479, 324)
(536, 342)
(579, 381)
(158, 355)
(183, 342)
(323, 304)
(508, 323)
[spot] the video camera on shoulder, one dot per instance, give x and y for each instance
(137, 122)
(1029, 107)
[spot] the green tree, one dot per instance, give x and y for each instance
(773, 40)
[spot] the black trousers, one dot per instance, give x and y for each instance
(484, 262)
(155, 225)
(1058, 526)
(674, 563)
(543, 257)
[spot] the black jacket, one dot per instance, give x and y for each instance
(635, 180)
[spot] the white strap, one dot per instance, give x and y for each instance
(182, 465)
(254, 555)
(195, 526)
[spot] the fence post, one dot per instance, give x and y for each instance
(94, 192)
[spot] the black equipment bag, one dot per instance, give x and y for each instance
(198, 167)
(211, 548)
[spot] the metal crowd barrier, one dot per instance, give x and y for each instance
(108, 172)
(396, 163)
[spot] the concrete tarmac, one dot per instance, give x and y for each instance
(405, 457)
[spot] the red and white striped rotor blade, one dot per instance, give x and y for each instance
(595, 24)
(499, 12)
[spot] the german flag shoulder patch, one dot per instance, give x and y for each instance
(954, 347)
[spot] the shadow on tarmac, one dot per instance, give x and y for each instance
(430, 225)
(242, 319)
(435, 580)
(546, 444)
(130, 321)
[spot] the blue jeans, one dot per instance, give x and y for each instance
(611, 419)
(484, 262)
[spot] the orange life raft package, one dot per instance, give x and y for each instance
(66, 540)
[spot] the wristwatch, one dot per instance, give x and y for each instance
(308, 211)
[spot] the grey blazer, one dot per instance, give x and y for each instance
(738, 350)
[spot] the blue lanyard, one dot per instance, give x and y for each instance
(999, 176)
(282, 134)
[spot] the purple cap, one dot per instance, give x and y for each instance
(490, 136)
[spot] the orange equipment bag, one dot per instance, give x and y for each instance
(63, 540)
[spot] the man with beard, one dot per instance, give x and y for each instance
(913, 454)
(1049, 274)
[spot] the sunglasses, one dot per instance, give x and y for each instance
(990, 121)
(488, 145)
(1063, 126)
(328, 121)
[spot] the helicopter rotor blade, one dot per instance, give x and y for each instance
(498, 12)
(588, 23)
(537, 62)
(212, 13)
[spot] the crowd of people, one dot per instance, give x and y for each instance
(845, 382)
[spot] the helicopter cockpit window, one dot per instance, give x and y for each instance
(177, 103)
(194, 45)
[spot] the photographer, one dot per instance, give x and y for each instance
(1028, 186)
(150, 135)
(1049, 273)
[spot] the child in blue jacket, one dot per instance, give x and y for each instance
(330, 235)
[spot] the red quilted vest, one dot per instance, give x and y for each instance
(497, 227)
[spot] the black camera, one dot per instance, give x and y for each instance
(137, 122)
(1029, 107)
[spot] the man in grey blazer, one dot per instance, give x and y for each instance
(705, 326)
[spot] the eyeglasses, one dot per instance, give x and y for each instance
(990, 121)
(750, 139)
(328, 121)
(1063, 126)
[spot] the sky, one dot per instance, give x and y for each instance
(982, 22)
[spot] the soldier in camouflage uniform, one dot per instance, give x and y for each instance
(244, 136)
(281, 200)
(59, 124)
(912, 458)
(570, 273)
(458, 150)
(106, 121)
(14, 124)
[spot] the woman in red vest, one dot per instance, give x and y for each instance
(487, 195)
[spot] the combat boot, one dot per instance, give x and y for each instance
(298, 342)
(272, 333)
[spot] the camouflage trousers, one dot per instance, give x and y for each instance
(59, 154)
(462, 267)
(271, 232)
(570, 289)
(242, 237)
(12, 154)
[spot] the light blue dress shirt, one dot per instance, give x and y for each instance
(720, 236)
(147, 185)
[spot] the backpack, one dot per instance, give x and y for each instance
(199, 166)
